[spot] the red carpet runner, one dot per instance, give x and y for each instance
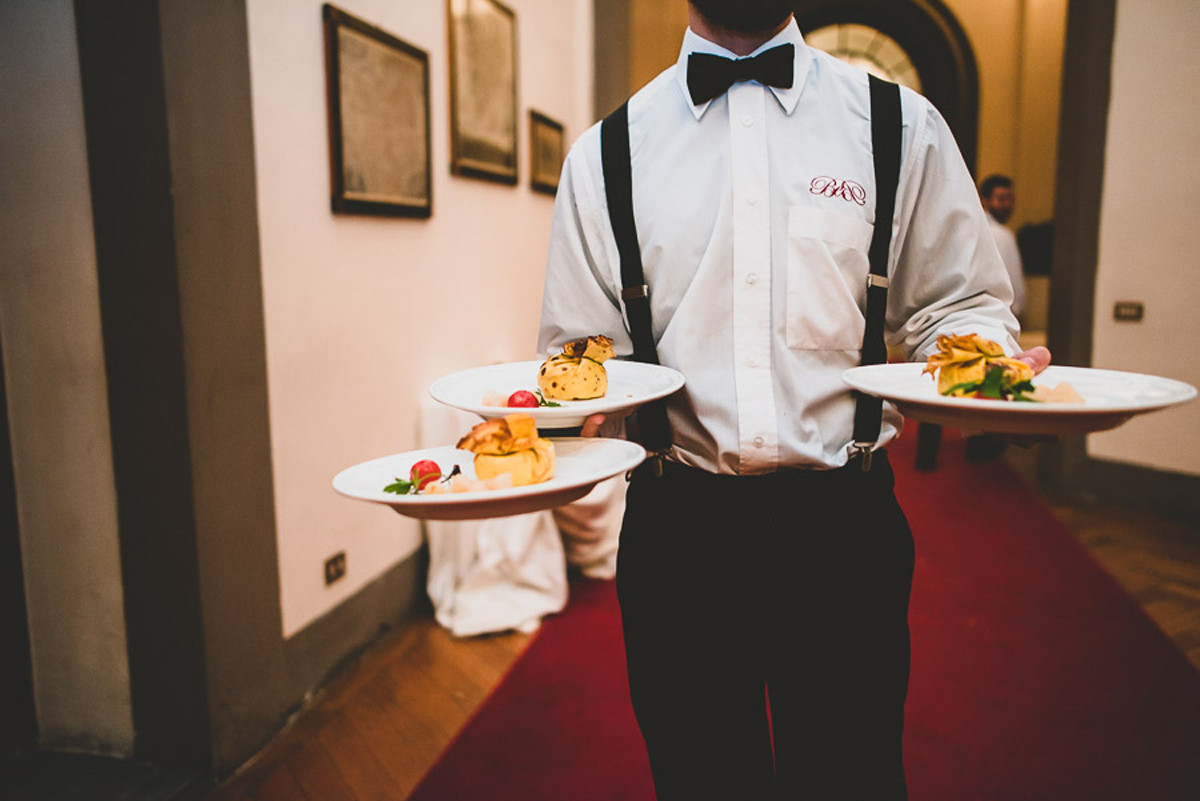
(1034, 675)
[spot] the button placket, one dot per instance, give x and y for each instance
(752, 273)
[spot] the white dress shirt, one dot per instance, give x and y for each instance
(754, 213)
(1006, 243)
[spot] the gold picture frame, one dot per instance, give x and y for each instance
(377, 93)
(547, 149)
(483, 89)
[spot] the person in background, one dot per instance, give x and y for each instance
(764, 566)
(999, 201)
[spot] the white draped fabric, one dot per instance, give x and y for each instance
(509, 572)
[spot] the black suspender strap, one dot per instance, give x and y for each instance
(885, 142)
(653, 430)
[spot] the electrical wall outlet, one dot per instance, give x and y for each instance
(1129, 311)
(335, 567)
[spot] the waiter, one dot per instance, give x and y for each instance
(765, 556)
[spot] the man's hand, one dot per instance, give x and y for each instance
(1038, 358)
(591, 426)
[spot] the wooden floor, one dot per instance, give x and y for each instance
(374, 732)
(1156, 560)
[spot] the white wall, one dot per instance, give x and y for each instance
(1149, 237)
(57, 391)
(362, 314)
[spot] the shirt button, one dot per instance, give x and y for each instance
(753, 362)
(752, 278)
(747, 120)
(758, 442)
(751, 201)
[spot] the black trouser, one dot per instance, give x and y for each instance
(793, 584)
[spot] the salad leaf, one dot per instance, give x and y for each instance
(401, 487)
(994, 386)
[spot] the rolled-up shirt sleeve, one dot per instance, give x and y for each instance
(948, 277)
(581, 295)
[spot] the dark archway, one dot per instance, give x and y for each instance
(934, 41)
(18, 725)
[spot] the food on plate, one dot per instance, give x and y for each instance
(969, 366)
(422, 474)
(578, 372)
(508, 453)
(462, 483)
(522, 398)
(510, 444)
(1062, 393)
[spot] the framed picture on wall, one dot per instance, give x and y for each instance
(377, 89)
(547, 148)
(483, 90)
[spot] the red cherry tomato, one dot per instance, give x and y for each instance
(424, 473)
(522, 398)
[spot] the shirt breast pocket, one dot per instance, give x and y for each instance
(827, 267)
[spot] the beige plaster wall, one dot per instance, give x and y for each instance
(57, 393)
(1149, 239)
(362, 313)
(1018, 48)
(656, 31)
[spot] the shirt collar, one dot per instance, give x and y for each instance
(788, 98)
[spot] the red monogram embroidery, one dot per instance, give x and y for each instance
(832, 187)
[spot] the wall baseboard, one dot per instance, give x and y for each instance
(1171, 495)
(316, 654)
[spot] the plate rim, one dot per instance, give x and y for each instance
(564, 416)
(852, 377)
(636, 454)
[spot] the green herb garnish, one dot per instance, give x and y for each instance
(542, 399)
(401, 487)
(993, 387)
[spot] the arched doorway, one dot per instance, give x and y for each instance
(918, 43)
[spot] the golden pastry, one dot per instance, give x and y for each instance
(971, 366)
(510, 444)
(578, 372)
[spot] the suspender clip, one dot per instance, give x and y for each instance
(654, 459)
(877, 280)
(656, 465)
(635, 292)
(865, 455)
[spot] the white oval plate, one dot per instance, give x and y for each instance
(630, 384)
(579, 465)
(1112, 397)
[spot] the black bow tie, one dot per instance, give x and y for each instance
(711, 76)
